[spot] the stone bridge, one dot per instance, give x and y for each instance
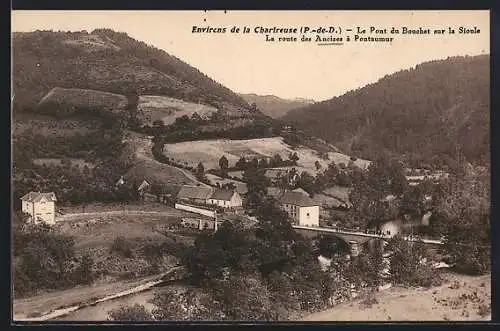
(353, 239)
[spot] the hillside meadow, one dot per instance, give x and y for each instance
(209, 152)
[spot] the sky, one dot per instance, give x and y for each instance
(246, 63)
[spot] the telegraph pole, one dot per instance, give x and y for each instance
(215, 220)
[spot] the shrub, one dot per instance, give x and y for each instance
(369, 301)
(484, 310)
(130, 313)
(407, 267)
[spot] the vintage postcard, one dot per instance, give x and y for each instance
(251, 166)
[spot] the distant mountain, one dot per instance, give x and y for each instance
(433, 113)
(274, 106)
(108, 61)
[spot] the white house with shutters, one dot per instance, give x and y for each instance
(40, 206)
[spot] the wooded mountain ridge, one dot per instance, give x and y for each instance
(434, 113)
(274, 106)
(105, 60)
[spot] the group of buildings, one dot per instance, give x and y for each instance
(201, 199)
(301, 209)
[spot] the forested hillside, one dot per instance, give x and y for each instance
(108, 61)
(433, 113)
(274, 106)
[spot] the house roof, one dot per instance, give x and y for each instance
(300, 190)
(275, 173)
(194, 192)
(327, 201)
(38, 196)
(297, 199)
(222, 194)
(275, 192)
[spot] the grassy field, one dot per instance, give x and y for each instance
(210, 151)
(154, 107)
(148, 167)
(460, 298)
(98, 229)
(241, 187)
(84, 98)
(338, 192)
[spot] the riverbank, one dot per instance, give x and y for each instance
(52, 305)
(459, 298)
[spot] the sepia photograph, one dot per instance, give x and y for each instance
(250, 166)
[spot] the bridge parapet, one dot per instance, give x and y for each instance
(356, 236)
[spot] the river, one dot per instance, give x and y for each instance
(99, 312)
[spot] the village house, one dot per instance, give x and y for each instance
(40, 206)
(301, 208)
(224, 198)
(195, 194)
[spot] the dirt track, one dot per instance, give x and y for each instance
(143, 146)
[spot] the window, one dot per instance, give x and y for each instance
(307, 214)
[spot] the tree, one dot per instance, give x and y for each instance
(195, 304)
(44, 259)
(224, 165)
(331, 173)
(306, 182)
(465, 212)
(311, 285)
(282, 291)
(230, 248)
(387, 175)
(253, 107)
(84, 272)
(241, 163)
(244, 297)
(369, 196)
(408, 264)
(276, 160)
(257, 184)
(133, 313)
(200, 172)
(413, 202)
(158, 127)
(279, 245)
(294, 158)
(263, 163)
(370, 265)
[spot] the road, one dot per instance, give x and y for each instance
(72, 216)
(143, 146)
